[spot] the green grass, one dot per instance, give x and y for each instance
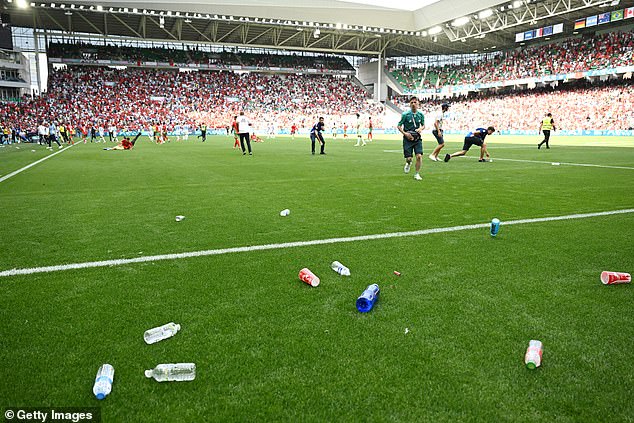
(269, 348)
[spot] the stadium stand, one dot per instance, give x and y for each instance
(91, 52)
(578, 105)
(571, 55)
(137, 98)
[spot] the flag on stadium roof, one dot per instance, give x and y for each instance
(604, 18)
(617, 15)
(580, 23)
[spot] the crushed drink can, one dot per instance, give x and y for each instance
(614, 278)
(366, 301)
(397, 273)
(306, 276)
(495, 226)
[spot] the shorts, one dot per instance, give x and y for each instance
(314, 137)
(469, 141)
(439, 138)
(416, 145)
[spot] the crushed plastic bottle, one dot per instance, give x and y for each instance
(340, 268)
(178, 372)
(103, 381)
(162, 332)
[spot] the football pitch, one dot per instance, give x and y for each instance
(445, 341)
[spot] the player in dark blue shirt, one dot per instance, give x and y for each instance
(474, 138)
(315, 134)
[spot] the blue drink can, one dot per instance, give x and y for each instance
(495, 227)
(366, 301)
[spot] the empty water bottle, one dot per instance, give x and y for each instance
(178, 372)
(340, 268)
(495, 226)
(103, 381)
(366, 301)
(533, 357)
(162, 332)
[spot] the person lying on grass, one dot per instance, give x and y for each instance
(126, 144)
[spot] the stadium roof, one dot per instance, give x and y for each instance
(363, 27)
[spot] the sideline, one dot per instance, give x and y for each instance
(12, 174)
(558, 163)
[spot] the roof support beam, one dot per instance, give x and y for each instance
(164, 30)
(202, 34)
(228, 33)
(527, 13)
(122, 22)
(55, 21)
(89, 22)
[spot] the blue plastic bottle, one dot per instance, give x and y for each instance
(366, 301)
(495, 226)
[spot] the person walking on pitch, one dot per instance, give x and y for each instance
(439, 132)
(359, 135)
(411, 126)
(546, 125)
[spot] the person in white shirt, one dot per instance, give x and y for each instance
(243, 132)
(41, 132)
(438, 131)
(359, 135)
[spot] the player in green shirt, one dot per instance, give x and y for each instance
(411, 126)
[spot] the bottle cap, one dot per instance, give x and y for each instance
(100, 396)
(530, 365)
(148, 373)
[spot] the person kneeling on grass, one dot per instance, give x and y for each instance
(126, 144)
(474, 138)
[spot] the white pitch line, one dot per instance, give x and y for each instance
(561, 163)
(12, 174)
(203, 253)
(535, 161)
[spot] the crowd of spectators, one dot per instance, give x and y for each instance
(193, 55)
(575, 106)
(571, 55)
(137, 98)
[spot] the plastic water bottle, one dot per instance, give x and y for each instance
(533, 357)
(340, 268)
(162, 332)
(366, 301)
(179, 372)
(495, 226)
(103, 381)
